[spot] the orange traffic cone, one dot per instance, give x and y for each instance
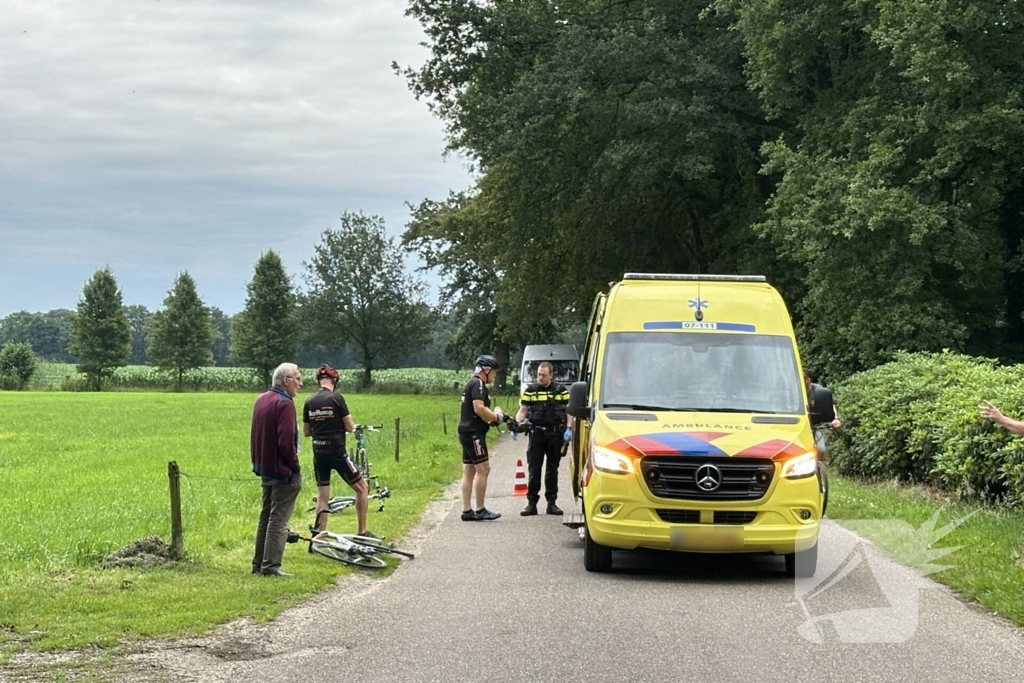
(520, 488)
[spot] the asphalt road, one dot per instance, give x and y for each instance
(509, 600)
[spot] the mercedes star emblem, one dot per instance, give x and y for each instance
(708, 477)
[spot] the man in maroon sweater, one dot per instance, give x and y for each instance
(274, 446)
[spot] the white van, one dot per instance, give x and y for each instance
(564, 359)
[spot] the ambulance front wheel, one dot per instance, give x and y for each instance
(596, 557)
(802, 564)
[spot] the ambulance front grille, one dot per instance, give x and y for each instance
(676, 477)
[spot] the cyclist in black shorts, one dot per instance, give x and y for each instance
(325, 417)
(476, 418)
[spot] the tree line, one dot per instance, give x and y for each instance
(359, 308)
(862, 154)
(49, 335)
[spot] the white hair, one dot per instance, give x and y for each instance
(283, 371)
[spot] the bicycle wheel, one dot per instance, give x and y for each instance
(368, 561)
(336, 552)
(376, 545)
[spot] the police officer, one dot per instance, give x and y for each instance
(544, 403)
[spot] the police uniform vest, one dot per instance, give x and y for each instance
(546, 405)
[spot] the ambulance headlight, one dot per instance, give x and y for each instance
(609, 461)
(800, 466)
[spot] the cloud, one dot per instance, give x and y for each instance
(162, 136)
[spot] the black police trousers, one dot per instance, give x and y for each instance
(544, 444)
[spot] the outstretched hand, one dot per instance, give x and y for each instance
(990, 411)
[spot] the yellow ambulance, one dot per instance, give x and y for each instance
(692, 432)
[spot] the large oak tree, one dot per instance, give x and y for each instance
(609, 137)
(359, 296)
(897, 181)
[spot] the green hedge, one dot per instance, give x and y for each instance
(916, 419)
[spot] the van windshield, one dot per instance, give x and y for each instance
(691, 371)
(564, 371)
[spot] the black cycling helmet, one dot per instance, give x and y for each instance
(486, 361)
(326, 371)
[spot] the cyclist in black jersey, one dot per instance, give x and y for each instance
(326, 418)
(475, 419)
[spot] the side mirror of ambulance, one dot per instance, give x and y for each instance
(824, 409)
(578, 406)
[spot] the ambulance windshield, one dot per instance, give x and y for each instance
(701, 371)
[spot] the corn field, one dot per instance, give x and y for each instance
(64, 376)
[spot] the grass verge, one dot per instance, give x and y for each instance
(988, 567)
(87, 475)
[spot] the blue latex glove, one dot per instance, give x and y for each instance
(568, 434)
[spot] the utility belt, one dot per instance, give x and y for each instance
(547, 429)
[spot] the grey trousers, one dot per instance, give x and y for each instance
(272, 532)
(819, 441)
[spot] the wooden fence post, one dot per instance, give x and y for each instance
(174, 477)
(398, 432)
(444, 425)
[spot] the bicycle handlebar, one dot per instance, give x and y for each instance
(368, 428)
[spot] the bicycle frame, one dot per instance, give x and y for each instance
(351, 549)
(339, 503)
(379, 493)
(363, 464)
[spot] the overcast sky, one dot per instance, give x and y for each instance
(156, 136)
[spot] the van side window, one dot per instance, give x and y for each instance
(564, 371)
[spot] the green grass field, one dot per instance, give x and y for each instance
(86, 474)
(988, 566)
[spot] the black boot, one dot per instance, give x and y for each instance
(529, 510)
(554, 509)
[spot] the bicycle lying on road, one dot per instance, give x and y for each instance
(353, 549)
(379, 493)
